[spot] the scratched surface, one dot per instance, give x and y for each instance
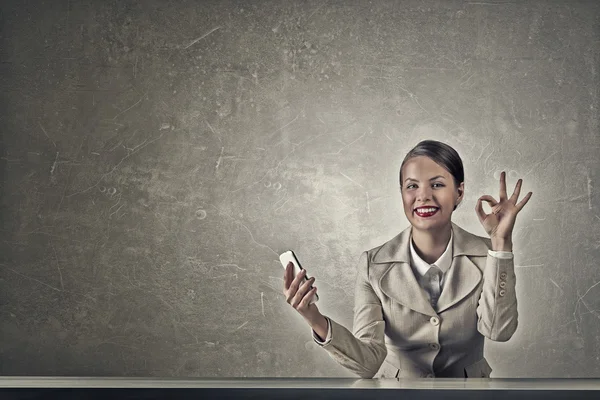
(157, 156)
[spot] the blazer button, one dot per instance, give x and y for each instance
(435, 321)
(503, 275)
(502, 292)
(434, 346)
(502, 284)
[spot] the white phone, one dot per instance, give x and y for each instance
(289, 256)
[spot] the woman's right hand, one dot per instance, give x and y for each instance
(298, 294)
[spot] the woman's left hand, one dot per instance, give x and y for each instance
(499, 224)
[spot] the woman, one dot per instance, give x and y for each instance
(426, 299)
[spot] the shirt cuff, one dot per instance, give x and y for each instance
(501, 254)
(327, 339)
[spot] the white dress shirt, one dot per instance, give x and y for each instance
(431, 280)
(431, 276)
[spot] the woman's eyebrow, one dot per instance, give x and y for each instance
(431, 179)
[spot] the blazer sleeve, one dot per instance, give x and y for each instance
(363, 350)
(497, 308)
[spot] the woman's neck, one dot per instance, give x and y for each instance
(430, 245)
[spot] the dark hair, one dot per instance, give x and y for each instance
(442, 154)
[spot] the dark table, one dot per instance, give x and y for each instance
(296, 388)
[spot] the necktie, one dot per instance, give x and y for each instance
(433, 277)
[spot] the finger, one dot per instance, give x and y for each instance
(502, 186)
(524, 201)
(306, 286)
(479, 207)
(479, 210)
(295, 285)
(517, 191)
(299, 279)
(489, 199)
(305, 303)
(288, 276)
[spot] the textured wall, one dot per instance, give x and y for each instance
(158, 155)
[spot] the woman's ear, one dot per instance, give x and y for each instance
(461, 192)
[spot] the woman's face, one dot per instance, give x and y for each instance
(429, 193)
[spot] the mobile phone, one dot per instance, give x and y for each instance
(289, 256)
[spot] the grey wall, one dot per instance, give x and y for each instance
(157, 156)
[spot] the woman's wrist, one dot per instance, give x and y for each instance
(320, 325)
(501, 244)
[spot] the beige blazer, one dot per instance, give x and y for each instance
(397, 333)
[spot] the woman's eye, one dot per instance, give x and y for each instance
(410, 186)
(440, 184)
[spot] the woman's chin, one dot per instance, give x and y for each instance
(424, 224)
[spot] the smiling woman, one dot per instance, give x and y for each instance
(432, 186)
(429, 196)
(426, 300)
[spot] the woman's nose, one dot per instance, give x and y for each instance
(424, 194)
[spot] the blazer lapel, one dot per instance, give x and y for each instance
(398, 280)
(400, 284)
(463, 276)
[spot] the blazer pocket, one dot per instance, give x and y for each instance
(479, 369)
(387, 370)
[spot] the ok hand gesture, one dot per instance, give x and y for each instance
(499, 224)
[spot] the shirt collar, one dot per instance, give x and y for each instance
(421, 266)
